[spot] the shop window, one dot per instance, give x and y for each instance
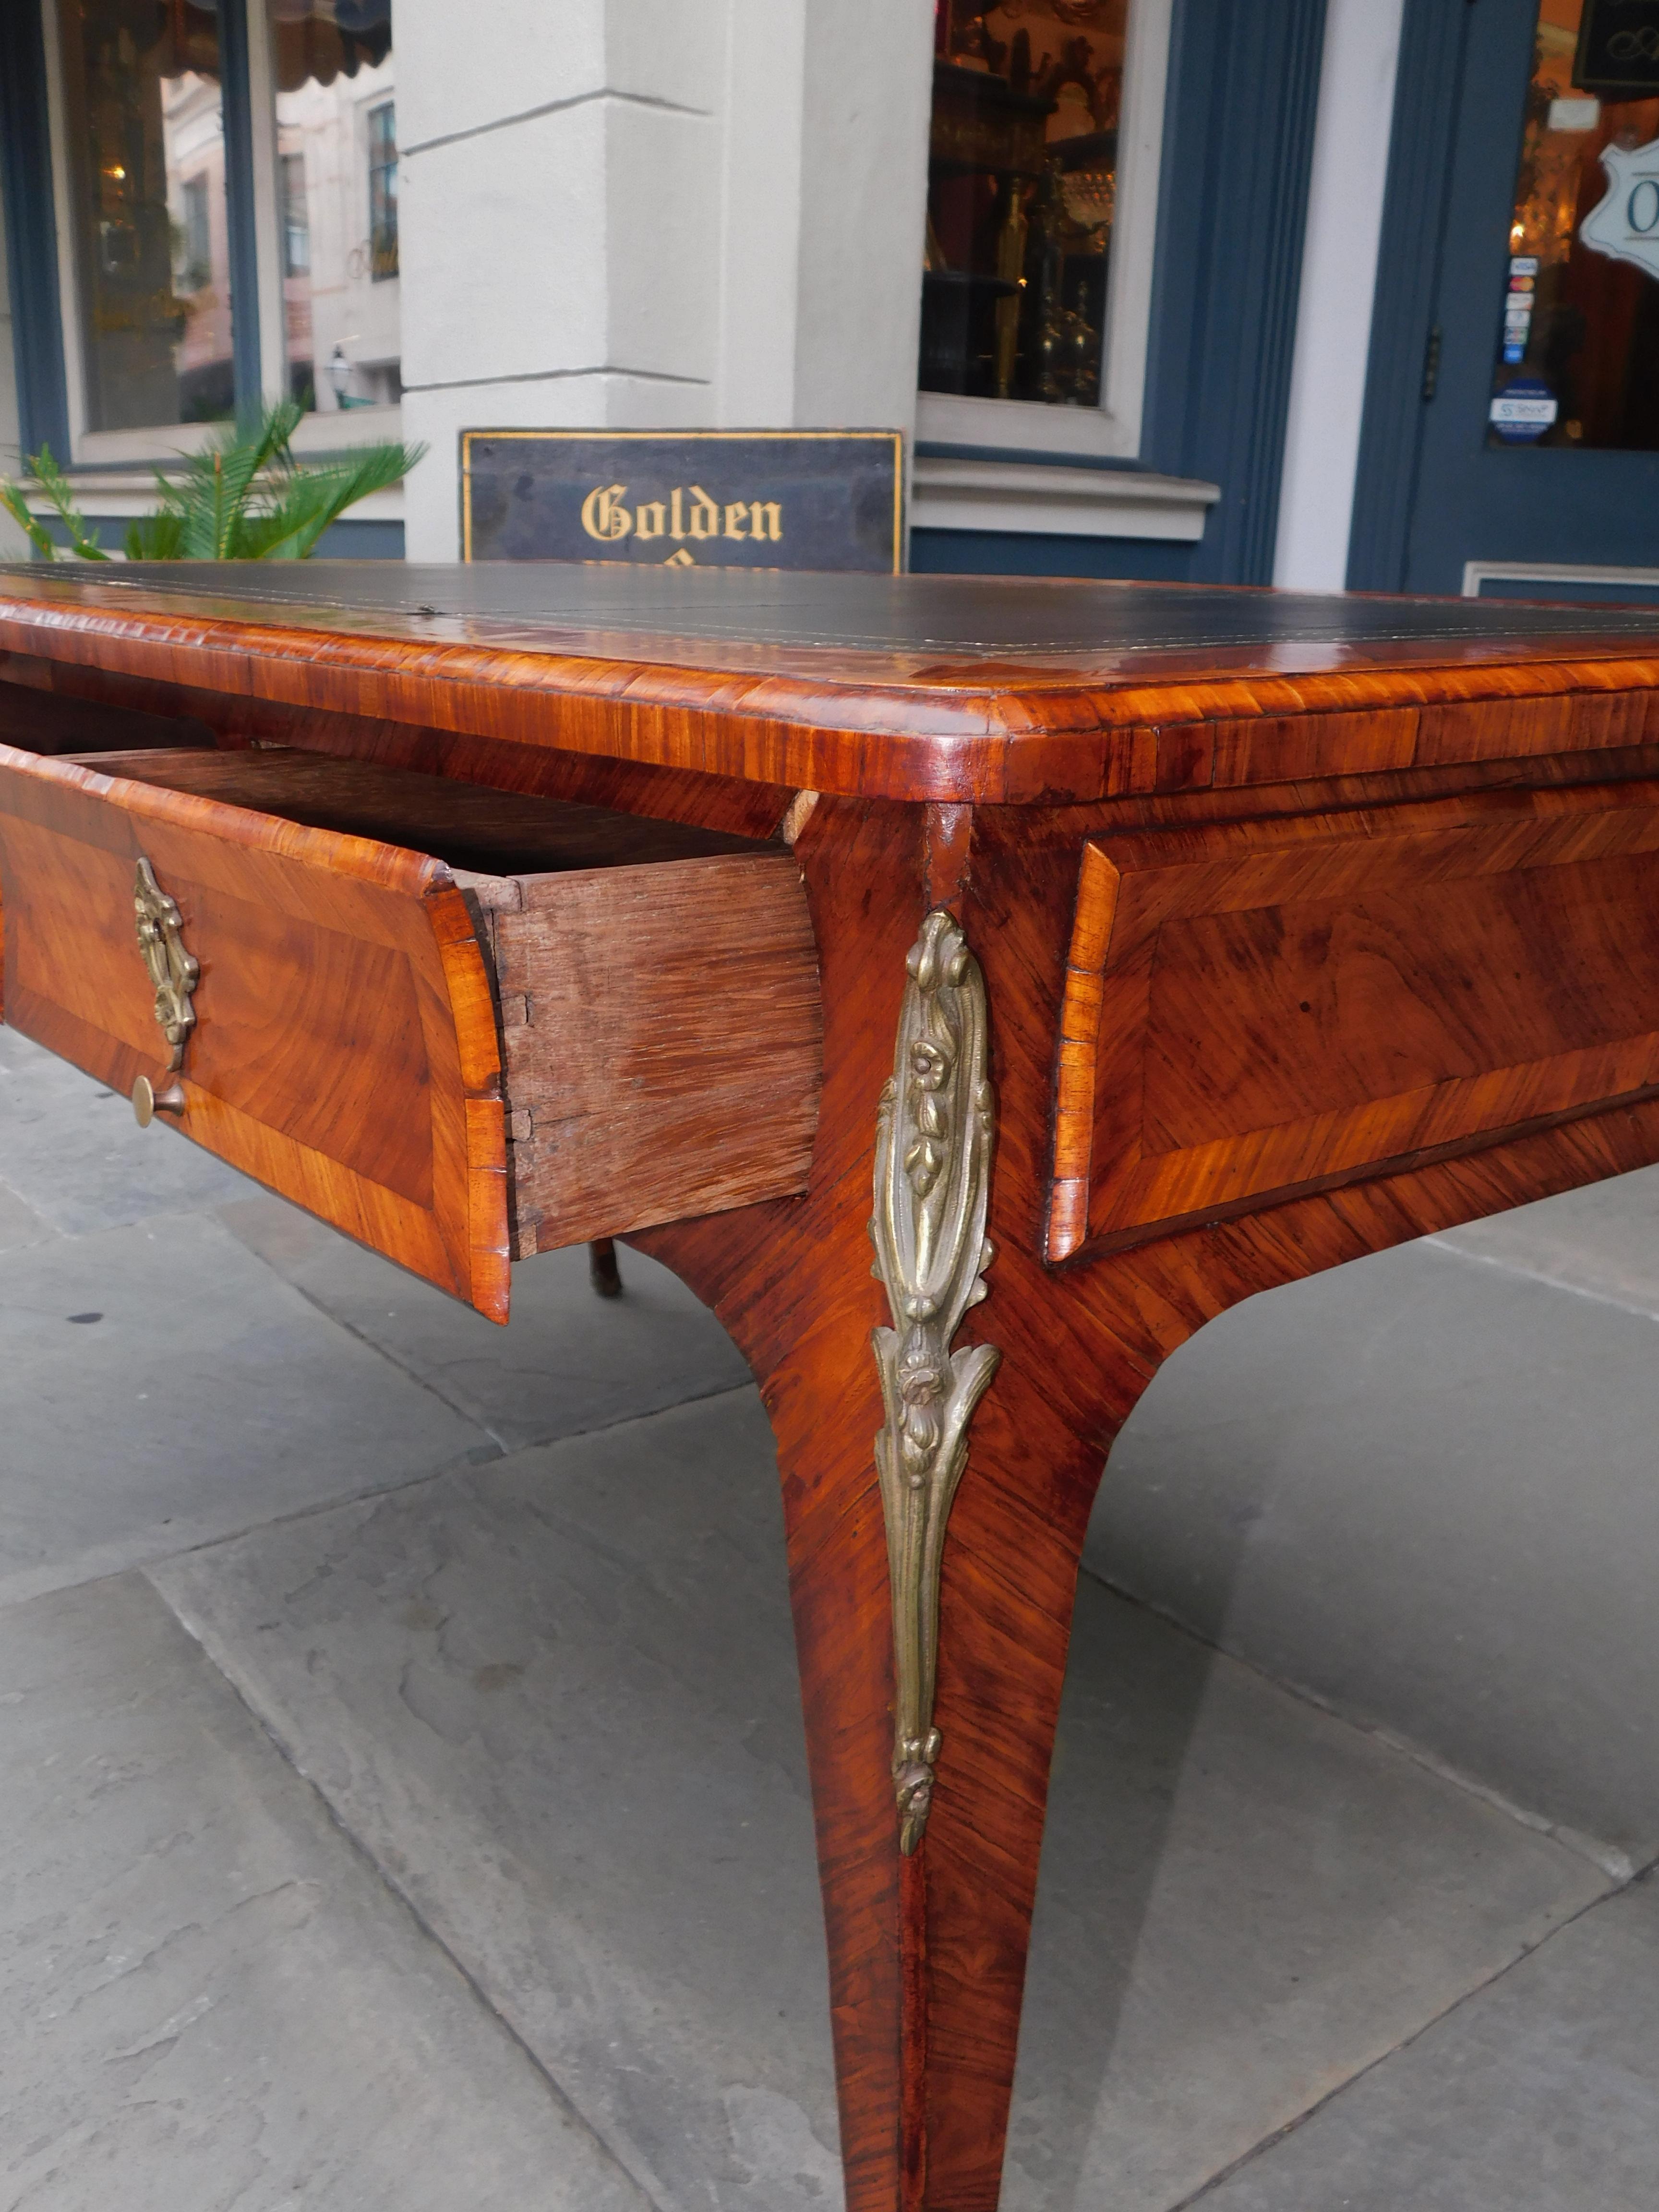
(161, 206)
(1044, 146)
(1577, 357)
(333, 68)
(144, 146)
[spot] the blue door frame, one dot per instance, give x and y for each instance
(1430, 492)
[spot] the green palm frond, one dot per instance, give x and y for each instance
(83, 541)
(318, 496)
(218, 483)
(31, 524)
(243, 497)
(158, 537)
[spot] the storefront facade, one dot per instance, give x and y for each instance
(1154, 288)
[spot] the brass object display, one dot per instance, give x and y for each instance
(174, 972)
(1010, 261)
(935, 1128)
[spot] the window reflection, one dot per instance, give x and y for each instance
(1022, 179)
(383, 192)
(336, 148)
(146, 147)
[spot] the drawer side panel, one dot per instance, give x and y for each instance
(663, 1043)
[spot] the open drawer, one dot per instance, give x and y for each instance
(459, 1024)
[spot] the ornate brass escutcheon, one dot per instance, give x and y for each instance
(174, 973)
(934, 1131)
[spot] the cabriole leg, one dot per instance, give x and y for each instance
(936, 1484)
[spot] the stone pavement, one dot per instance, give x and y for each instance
(405, 1795)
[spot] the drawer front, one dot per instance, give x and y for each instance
(1260, 1010)
(344, 1047)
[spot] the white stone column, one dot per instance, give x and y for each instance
(641, 213)
(1351, 137)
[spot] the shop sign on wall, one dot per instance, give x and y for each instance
(735, 498)
(1624, 222)
(1617, 53)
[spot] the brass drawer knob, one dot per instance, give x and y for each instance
(148, 1102)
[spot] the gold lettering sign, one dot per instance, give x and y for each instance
(604, 514)
(688, 512)
(717, 499)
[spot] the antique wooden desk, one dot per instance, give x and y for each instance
(1207, 937)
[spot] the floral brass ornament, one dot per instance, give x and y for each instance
(934, 1132)
(174, 973)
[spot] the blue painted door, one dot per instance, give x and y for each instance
(1539, 442)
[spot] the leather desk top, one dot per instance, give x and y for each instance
(995, 690)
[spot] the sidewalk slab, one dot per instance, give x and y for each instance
(567, 1360)
(1422, 1487)
(20, 1225)
(1539, 2094)
(1602, 1241)
(560, 1708)
(1244, 1901)
(208, 2000)
(556, 1697)
(72, 1152)
(160, 1387)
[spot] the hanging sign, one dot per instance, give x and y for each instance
(1624, 224)
(1617, 53)
(726, 499)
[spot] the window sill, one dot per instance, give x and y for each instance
(1020, 495)
(1022, 426)
(117, 494)
(103, 450)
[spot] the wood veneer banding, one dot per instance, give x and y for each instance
(1261, 1007)
(1007, 721)
(653, 988)
(345, 1052)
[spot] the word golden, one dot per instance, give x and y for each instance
(606, 517)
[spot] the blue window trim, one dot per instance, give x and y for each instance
(241, 223)
(37, 319)
(1237, 158)
(1243, 95)
(1433, 38)
(37, 315)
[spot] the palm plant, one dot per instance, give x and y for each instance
(243, 497)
